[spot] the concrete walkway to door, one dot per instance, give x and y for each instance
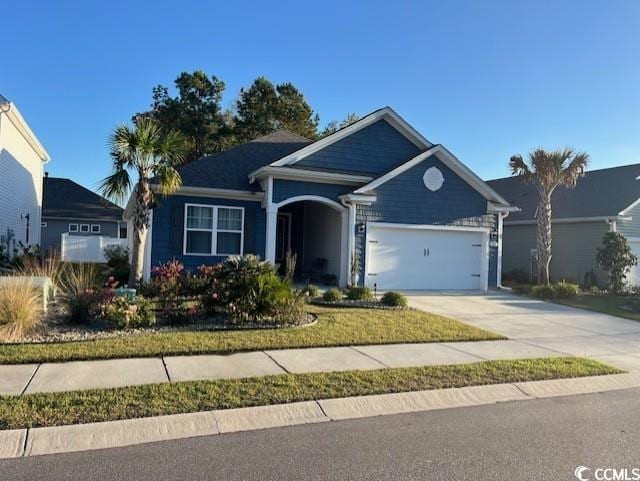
(563, 329)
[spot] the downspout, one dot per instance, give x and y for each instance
(501, 217)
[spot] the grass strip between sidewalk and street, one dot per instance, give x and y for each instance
(335, 327)
(53, 409)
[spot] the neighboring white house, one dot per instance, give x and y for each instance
(21, 171)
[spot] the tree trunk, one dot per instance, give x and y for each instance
(140, 227)
(543, 238)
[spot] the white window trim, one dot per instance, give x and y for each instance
(82, 226)
(77, 228)
(214, 231)
(43, 224)
(95, 231)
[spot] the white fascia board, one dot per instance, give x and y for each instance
(397, 171)
(386, 113)
(287, 173)
(217, 193)
(571, 220)
(450, 161)
(13, 114)
(358, 198)
(461, 228)
(496, 209)
(626, 210)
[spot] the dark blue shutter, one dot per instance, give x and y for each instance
(177, 230)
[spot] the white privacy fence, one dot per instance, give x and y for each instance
(77, 248)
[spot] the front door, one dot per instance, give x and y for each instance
(283, 237)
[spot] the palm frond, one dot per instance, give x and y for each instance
(167, 178)
(575, 169)
(172, 147)
(117, 185)
(519, 167)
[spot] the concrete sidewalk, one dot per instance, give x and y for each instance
(78, 375)
(82, 437)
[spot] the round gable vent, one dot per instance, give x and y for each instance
(433, 179)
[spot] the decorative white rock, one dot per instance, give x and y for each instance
(433, 179)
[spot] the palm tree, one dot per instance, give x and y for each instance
(150, 152)
(548, 170)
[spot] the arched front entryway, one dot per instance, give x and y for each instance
(315, 229)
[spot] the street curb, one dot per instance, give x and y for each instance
(112, 434)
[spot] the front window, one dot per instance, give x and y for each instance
(213, 230)
(84, 227)
(95, 228)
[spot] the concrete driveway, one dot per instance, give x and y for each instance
(563, 329)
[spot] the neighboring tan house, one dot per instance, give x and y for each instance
(71, 210)
(603, 200)
(374, 203)
(21, 169)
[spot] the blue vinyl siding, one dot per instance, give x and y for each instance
(374, 150)
(406, 200)
(285, 189)
(162, 249)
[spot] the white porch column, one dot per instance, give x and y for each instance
(272, 225)
(351, 238)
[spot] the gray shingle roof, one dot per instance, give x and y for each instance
(599, 193)
(230, 169)
(64, 198)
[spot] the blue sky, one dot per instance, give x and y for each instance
(486, 78)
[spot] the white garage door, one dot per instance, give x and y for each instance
(421, 258)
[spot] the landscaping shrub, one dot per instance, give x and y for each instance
(616, 257)
(288, 311)
(566, 290)
(118, 261)
(193, 285)
(560, 290)
(50, 267)
(249, 290)
(393, 299)
(165, 284)
(79, 296)
(517, 275)
(522, 289)
(359, 293)
(332, 295)
(21, 309)
(182, 315)
(312, 291)
(543, 291)
(125, 314)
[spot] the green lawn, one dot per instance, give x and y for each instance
(335, 327)
(52, 409)
(607, 304)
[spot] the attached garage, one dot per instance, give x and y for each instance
(400, 256)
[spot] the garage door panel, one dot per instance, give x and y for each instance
(408, 258)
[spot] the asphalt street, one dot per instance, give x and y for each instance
(528, 440)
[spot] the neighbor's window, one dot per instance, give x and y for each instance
(122, 231)
(95, 228)
(212, 230)
(73, 227)
(84, 227)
